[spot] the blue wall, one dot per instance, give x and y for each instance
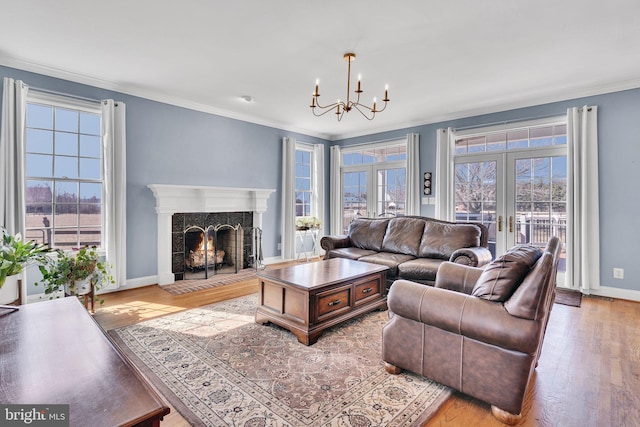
(619, 154)
(228, 152)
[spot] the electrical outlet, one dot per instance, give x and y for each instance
(618, 273)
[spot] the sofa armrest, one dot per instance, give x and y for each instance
(476, 256)
(462, 314)
(457, 277)
(334, 242)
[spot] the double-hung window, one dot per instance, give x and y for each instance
(304, 181)
(64, 171)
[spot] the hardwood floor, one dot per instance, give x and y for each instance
(588, 374)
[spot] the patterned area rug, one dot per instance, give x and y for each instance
(218, 367)
(186, 286)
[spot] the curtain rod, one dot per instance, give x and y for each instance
(66, 95)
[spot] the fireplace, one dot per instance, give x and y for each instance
(203, 200)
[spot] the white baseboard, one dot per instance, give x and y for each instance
(611, 292)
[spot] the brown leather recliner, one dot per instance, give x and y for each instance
(478, 330)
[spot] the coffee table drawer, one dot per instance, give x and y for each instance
(368, 289)
(331, 302)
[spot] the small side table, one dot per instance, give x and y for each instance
(301, 246)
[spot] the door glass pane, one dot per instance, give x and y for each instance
(541, 194)
(475, 198)
(354, 194)
(391, 192)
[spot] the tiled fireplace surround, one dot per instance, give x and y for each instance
(171, 199)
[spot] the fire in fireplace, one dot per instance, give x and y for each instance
(213, 250)
(200, 253)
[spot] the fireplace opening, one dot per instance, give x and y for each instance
(207, 244)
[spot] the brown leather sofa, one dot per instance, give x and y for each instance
(413, 247)
(479, 331)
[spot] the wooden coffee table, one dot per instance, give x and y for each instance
(308, 298)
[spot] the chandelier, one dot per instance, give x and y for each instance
(340, 107)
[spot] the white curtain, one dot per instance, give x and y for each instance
(583, 233)
(444, 175)
(288, 198)
(414, 182)
(115, 166)
(318, 187)
(335, 192)
(12, 160)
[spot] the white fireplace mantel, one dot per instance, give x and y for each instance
(172, 199)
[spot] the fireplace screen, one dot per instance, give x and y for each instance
(213, 250)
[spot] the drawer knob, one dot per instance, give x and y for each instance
(332, 303)
(366, 291)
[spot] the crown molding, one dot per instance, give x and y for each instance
(527, 100)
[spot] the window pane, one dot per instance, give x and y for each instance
(90, 214)
(66, 192)
(90, 192)
(541, 137)
(66, 167)
(89, 168)
(39, 116)
(90, 236)
(517, 139)
(497, 141)
(90, 146)
(477, 144)
(38, 192)
(66, 215)
(461, 146)
(39, 141)
(90, 124)
(66, 120)
(66, 143)
(39, 165)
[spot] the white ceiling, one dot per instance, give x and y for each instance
(441, 59)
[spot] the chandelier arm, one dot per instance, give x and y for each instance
(324, 112)
(357, 107)
(326, 106)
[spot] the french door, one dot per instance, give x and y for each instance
(520, 196)
(373, 191)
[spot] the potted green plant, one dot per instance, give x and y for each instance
(307, 223)
(76, 273)
(15, 254)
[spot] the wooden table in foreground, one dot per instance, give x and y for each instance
(308, 298)
(54, 352)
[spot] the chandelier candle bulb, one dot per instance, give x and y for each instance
(374, 105)
(317, 93)
(359, 78)
(386, 93)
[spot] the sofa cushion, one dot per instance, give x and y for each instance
(503, 275)
(368, 233)
(349, 253)
(419, 269)
(391, 260)
(441, 240)
(403, 235)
